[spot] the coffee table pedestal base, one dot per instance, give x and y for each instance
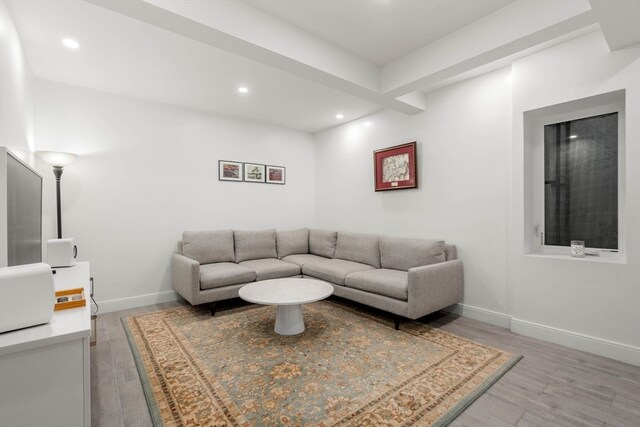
(289, 320)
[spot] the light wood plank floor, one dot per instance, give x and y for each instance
(551, 386)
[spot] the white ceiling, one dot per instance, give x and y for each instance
(304, 61)
(124, 56)
(379, 31)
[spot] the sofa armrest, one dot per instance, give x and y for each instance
(433, 287)
(185, 277)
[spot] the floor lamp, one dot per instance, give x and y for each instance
(58, 161)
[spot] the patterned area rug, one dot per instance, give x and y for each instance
(347, 368)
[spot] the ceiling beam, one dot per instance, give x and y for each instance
(517, 27)
(520, 28)
(240, 29)
(619, 21)
(414, 98)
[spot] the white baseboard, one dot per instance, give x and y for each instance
(613, 350)
(481, 314)
(137, 301)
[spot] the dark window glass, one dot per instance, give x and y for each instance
(581, 182)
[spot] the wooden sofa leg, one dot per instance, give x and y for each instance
(212, 306)
(396, 321)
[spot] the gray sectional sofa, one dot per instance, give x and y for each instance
(407, 277)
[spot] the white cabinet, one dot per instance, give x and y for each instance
(44, 370)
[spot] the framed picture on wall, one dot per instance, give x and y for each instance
(254, 172)
(395, 167)
(275, 175)
(229, 171)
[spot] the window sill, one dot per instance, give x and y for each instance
(611, 258)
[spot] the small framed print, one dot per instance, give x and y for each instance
(275, 175)
(254, 172)
(395, 167)
(229, 171)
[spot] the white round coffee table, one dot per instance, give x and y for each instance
(288, 294)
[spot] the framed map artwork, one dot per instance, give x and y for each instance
(395, 167)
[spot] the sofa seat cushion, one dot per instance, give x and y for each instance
(255, 244)
(270, 268)
(333, 270)
(223, 274)
(302, 259)
(383, 281)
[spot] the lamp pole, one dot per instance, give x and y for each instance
(58, 160)
(57, 171)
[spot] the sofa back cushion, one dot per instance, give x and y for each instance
(292, 242)
(322, 242)
(358, 247)
(450, 252)
(402, 254)
(255, 244)
(208, 246)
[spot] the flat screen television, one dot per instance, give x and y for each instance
(23, 210)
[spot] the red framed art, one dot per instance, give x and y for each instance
(395, 167)
(275, 175)
(229, 171)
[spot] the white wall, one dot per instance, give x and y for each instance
(16, 108)
(16, 87)
(470, 145)
(463, 151)
(148, 171)
(587, 304)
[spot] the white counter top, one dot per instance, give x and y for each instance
(65, 325)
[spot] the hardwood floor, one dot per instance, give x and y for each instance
(551, 386)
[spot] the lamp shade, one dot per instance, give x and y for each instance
(57, 159)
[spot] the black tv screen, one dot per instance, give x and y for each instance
(24, 213)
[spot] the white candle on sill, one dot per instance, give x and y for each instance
(577, 248)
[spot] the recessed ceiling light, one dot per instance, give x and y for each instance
(70, 43)
(339, 116)
(243, 89)
(573, 136)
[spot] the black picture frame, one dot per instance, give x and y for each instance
(227, 169)
(276, 175)
(254, 172)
